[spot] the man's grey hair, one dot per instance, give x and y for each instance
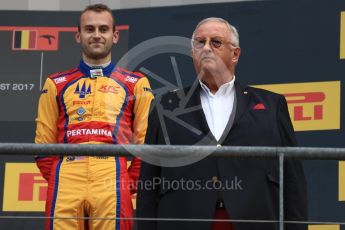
(235, 39)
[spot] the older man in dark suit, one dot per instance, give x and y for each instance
(221, 112)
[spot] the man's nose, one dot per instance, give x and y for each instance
(97, 33)
(207, 46)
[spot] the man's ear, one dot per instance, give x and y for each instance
(237, 54)
(116, 36)
(77, 37)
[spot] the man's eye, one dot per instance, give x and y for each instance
(199, 43)
(216, 43)
(103, 30)
(89, 29)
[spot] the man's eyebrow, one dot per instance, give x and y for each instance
(90, 25)
(202, 37)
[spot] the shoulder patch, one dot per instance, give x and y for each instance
(147, 89)
(59, 80)
(44, 91)
(125, 72)
(131, 79)
(61, 77)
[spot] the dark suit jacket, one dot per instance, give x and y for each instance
(254, 196)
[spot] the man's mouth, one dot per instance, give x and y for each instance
(96, 43)
(207, 59)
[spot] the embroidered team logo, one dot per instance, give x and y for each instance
(60, 80)
(131, 79)
(82, 91)
(81, 102)
(80, 111)
(44, 91)
(94, 73)
(109, 89)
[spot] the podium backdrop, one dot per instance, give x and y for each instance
(293, 47)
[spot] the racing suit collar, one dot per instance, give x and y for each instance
(85, 69)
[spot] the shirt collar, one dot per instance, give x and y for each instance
(97, 66)
(223, 90)
(85, 68)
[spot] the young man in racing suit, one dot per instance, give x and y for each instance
(96, 103)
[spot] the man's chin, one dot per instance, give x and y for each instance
(98, 55)
(206, 72)
(208, 67)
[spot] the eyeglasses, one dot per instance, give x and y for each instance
(214, 42)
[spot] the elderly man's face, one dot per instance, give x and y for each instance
(213, 50)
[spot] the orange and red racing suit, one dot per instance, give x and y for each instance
(91, 106)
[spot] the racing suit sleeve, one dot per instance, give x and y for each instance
(143, 97)
(46, 128)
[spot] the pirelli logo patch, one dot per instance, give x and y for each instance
(313, 105)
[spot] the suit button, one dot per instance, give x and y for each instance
(215, 179)
(219, 145)
(217, 184)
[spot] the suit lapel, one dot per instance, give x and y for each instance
(193, 94)
(240, 104)
(242, 96)
(194, 101)
(230, 122)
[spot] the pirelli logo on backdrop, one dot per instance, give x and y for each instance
(324, 227)
(341, 180)
(342, 35)
(24, 188)
(312, 106)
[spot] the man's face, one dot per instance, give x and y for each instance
(213, 50)
(96, 36)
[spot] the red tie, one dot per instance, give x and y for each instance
(219, 214)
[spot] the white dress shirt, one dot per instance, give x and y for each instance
(218, 107)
